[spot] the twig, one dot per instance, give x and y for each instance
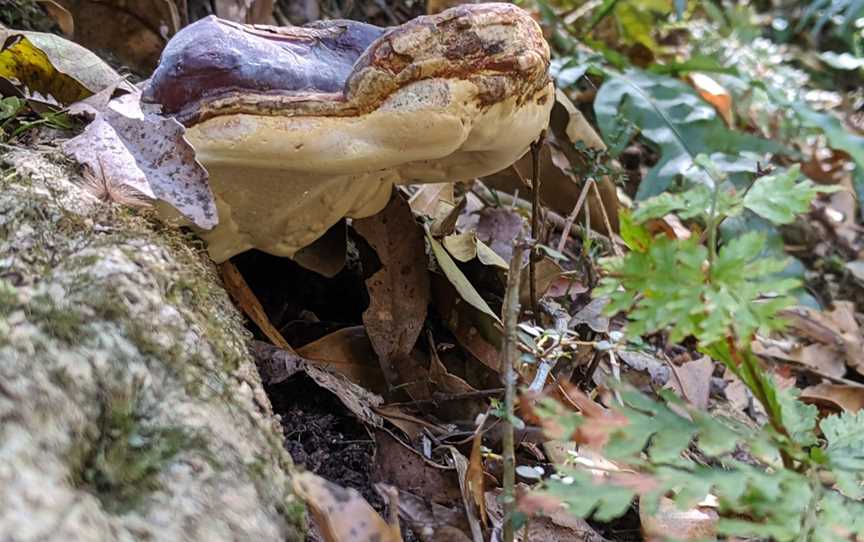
(509, 356)
(242, 294)
(571, 218)
(615, 248)
(535, 220)
(444, 398)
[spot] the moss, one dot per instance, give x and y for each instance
(61, 322)
(8, 298)
(123, 465)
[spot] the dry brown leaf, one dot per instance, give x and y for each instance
(411, 425)
(326, 255)
(546, 271)
(277, 365)
(693, 381)
(429, 521)
(342, 514)
(398, 294)
(835, 397)
(558, 157)
(405, 468)
(822, 359)
(60, 15)
(474, 331)
(713, 93)
(474, 476)
(245, 11)
(836, 328)
(592, 315)
(668, 522)
(498, 227)
(464, 247)
(135, 31)
(471, 510)
(348, 352)
(599, 422)
(443, 380)
(826, 165)
(669, 225)
(148, 154)
(550, 521)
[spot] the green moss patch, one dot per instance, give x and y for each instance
(123, 465)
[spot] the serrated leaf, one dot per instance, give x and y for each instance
(845, 436)
(799, 418)
(779, 198)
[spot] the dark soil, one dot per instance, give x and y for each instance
(323, 437)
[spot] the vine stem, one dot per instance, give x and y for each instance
(507, 368)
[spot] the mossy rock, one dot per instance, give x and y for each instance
(130, 406)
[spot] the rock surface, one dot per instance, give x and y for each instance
(130, 408)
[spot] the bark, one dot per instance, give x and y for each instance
(130, 407)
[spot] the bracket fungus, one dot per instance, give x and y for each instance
(299, 127)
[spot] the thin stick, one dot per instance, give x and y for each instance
(568, 225)
(509, 356)
(535, 219)
(242, 294)
(615, 248)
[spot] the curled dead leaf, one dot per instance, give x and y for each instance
(342, 514)
(835, 397)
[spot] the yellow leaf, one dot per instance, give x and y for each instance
(25, 63)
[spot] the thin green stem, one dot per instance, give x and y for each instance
(713, 226)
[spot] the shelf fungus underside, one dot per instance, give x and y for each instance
(299, 127)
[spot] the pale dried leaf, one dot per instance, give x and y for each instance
(149, 154)
(668, 522)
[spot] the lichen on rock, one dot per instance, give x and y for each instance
(130, 407)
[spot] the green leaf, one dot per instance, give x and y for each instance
(799, 418)
(695, 202)
(671, 115)
(635, 236)
(10, 107)
(669, 287)
(845, 436)
(458, 279)
(779, 198)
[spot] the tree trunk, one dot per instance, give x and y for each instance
(130, 407)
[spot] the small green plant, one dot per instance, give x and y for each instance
(796, 478)
(16, 118)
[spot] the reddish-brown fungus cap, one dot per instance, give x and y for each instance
(299, 127)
